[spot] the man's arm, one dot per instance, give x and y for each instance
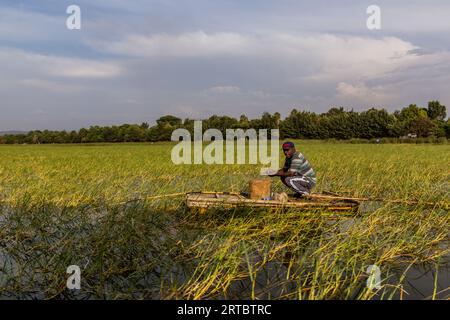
(283, 173)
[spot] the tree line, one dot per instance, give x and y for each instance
(337, 123)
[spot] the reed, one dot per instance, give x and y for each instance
(102, 207)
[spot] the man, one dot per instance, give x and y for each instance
(296, 173)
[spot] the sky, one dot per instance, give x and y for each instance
(134, 61)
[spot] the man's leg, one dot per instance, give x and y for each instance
(299, 184)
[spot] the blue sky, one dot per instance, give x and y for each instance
(137, 60)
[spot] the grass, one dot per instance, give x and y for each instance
(85, 205)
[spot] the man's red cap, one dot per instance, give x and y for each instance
(288, 145)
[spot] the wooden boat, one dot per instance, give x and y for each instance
(201, 201)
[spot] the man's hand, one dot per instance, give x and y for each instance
(268, 172)
(275, 174)
(282, 173)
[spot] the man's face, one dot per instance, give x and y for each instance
(288, 152)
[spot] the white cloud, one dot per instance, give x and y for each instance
(340, 57)
(186, 44)
(226, 73)
(360, 92)
(19, 62)
(227, 58)
(353, 70)
(318, 57)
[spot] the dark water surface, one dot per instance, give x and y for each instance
(425, 282)
(418, 282)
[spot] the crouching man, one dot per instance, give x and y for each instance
(296, 173)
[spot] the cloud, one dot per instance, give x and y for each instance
(327, 56)
(314, 69)
(183, 45)
(360, 92)
(340, 57)
(48, 91)
(227, 58)
(26, 63)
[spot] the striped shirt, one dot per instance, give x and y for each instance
(300, 166)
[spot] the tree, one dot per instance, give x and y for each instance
(277, 119)
(337, 123)
(375, 123)
(335, 111)
(268, 121)
(243, 119)
(221, 123)
(173, 121)
(422, 126)
(412, 112)
(288, 128)
(436, 111)
(447, 129)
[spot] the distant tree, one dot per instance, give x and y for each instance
(270, 122)
(243, 122)
(255, 124)
(74, 138)
(406, 117)
(439, 129)
(412, 112)
(164, 131)
(83, 135)
(288, 126)
(335, 111)
(243, 118)
(187, 122)
(221, 123)
(422, 126)
(436, 111)
(447, 129)
(35, 138)
(172, 120)
(277, 119)
(335, 123)
(375, 123)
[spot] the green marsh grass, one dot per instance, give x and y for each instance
(86, 205)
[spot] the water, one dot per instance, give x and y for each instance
(420, 282)
(423, 282)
